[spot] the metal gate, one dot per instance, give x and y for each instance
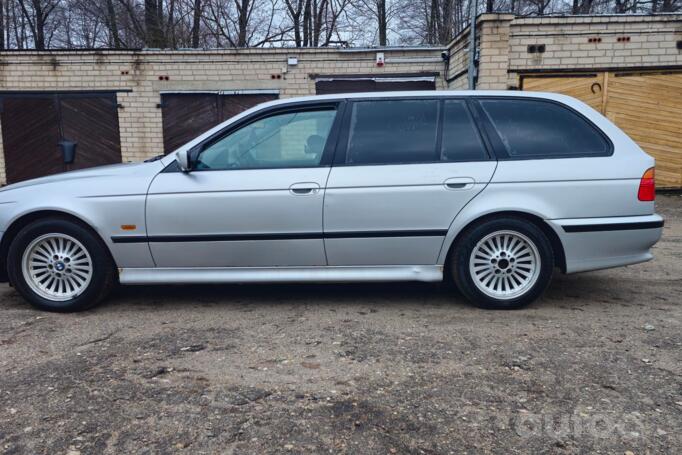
(353, 83)
(48, 133)
(187, 115)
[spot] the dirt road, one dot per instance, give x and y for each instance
(595, 366)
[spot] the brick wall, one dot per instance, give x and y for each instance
(137, 73)
(459, 62)
(645, 41)
(580, 43)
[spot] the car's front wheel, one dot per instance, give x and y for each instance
(59, 265)
(503, 263)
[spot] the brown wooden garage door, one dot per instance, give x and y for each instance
(34, 125)
(187, 115)
(646, 105)
(325, 85)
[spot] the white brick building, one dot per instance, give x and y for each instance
(131, 105)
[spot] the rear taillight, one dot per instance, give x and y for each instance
(647, 186)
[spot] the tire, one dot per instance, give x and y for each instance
(503, 263)
(77, 275)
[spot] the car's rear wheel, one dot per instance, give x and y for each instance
(503, 263)
(59, 265)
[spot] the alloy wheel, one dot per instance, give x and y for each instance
(504, 264)
(57, 267)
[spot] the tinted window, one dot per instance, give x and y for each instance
(461, 141)
(293, 139)
(400, 131)
(532, 128)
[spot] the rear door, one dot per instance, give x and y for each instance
(403, 170)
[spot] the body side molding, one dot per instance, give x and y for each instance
(277, 236)
(613, 226)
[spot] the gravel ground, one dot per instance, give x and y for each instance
(595, 366)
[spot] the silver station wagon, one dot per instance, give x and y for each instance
(493, 190)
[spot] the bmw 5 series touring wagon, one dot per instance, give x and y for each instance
(493, 190)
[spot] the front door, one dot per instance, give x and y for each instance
(254, 198)
(402, 174)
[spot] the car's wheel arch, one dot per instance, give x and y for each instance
(454, 236)
(18, 223)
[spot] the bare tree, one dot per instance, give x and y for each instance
(382, 21)
(582, 6)
(134, 28)
(538, 7)
(153, 14)
(442, 19)
(43, 24)
(295, 10)
(36, 13)
(670, 6)
(2, 25)
(196, 23)
(379, 12)
(242, 23)
(111, 21)
(314, 22)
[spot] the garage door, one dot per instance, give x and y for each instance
(187, 115)
(36, 128)
(646, 105)
(384, 83)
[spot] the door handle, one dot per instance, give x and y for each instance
(304, 189)
(459, 183)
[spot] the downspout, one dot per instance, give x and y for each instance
(471, 73)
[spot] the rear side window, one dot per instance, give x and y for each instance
(541, 129)
(461, 141)
(393, 132)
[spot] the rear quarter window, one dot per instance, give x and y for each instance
(530, 128)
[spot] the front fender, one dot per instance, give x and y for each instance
(105, 215)
(111, 200)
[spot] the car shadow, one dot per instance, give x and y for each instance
(574, 292)
(387, 294)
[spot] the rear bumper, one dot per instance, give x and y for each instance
(599, 243)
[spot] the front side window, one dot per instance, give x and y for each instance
(393, 132)
(540, 129)
(289, 139)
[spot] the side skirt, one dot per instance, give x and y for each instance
(322, 274)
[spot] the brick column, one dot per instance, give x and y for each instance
(493, 62)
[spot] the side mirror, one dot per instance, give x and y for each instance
(183, 161)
